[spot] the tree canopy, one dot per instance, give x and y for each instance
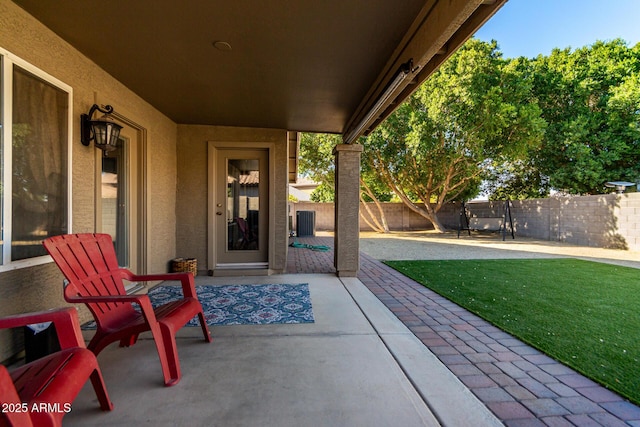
(472, 114)
(515, 128)
(316, 161)
(590, 99)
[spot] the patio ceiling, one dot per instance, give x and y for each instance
(302, 65)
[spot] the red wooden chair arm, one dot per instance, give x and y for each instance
(186, 279)
(64, 319)
(142, 300)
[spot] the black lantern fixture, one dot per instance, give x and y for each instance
(103, 131)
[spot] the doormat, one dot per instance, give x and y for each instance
(243, 304)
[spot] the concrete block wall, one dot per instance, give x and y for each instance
(399, 217)
(605, 220)
(628, 215)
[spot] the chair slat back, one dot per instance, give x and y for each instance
(89, 262)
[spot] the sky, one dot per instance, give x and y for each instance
(532, 27)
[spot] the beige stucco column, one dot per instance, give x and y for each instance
(347, 209)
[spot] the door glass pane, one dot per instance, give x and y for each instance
(114, 201)
(243, 203)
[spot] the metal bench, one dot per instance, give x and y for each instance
(489, 223)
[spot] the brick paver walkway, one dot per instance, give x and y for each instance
(522, 386)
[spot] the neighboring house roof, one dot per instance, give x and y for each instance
(317, 66)
(304, 183)
(301, 196)
(251, 178)
(302, 189)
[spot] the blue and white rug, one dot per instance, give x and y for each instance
(243, 304)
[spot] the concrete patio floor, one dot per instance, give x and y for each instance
(357, 365)
(383, 351)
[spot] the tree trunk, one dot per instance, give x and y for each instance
(375, 227)
(435, 221)
(382, 225)
(428, 212)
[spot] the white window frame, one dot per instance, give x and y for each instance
(6, 98)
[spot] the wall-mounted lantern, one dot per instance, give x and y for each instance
(103, 131)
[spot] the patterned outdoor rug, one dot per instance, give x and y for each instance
(243, 304)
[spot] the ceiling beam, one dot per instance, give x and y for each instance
(438, 31)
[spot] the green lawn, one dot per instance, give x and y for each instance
(584, 314)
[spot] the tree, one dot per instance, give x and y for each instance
(516, 180)
(317, 162)
(472, 114)
(590, 99)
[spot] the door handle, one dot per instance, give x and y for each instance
(218, 213)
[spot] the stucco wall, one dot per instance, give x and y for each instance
(193, 185)
(35, 288)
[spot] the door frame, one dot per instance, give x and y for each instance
(213, 155)
(126, 161)
(137, 170)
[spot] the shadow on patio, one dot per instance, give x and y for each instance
(356, 365)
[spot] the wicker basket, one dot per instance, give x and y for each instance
(180, 265)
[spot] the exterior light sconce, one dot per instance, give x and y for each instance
(103, 131)
(620, 186)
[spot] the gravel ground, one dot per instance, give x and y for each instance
(430, 245)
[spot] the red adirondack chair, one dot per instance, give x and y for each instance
(40, 393)
(89, 263)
